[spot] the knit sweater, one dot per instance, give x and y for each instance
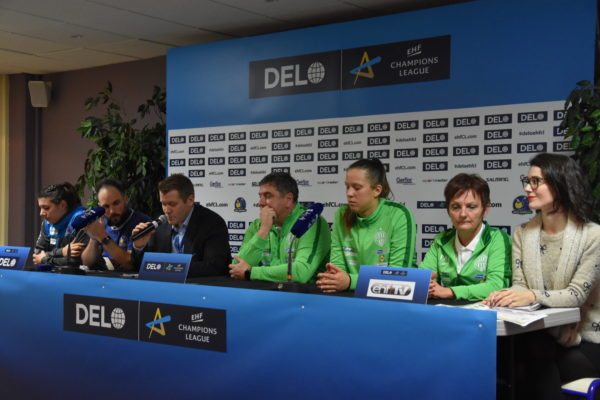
(576, 280)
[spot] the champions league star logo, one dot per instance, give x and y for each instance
(160, 321)
(367, 63)
(521, 205)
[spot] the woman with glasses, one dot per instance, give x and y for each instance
(57, 243)
(556, 262)
(472, 259)
(369, 230)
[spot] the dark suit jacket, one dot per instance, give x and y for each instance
(206, 237)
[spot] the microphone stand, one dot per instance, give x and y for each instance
(289, 285)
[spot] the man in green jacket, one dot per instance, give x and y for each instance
(264, 251)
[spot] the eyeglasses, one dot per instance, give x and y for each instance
(534, 182)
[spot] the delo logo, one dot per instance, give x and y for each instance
(236, 160)
(237, 148)
(435, 151)
(431, 204)
(327, 169)
(328, 130)
(328, 156)
(378, 127)
(352, 155)
(435, 123)
(381, 154)
(280, 158)
(498, 134)
(177, 139)
(216, 160)
(466, 121)
(177, 162)
(216, 137)
(196, 162)
(280, 146)
(561, 146)
(237, 135)
(498, 119)
(259, 159)
(497, 164)
(258, 135)
(349, 129)
(435, 137)
(237, 172)
(281, 169)
(435, 166)
(539, 147)
(497, 149)
(465, 150)
(328, 143)
(536, 116)
(559, 115)
(281, 133)
(300, 132)
(406, 153)
(197, 139)
(195, 173)
(378, 141)
(425, 228)
(304, 157)
(406, 125)
(196, 150)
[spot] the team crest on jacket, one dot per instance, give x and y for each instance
(380, 237)
(481, 263)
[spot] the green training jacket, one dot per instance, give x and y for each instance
(268, 257)
(386, 238)
(488, 269)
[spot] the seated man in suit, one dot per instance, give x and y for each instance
(191, 229)
(111, 245)
(264, 251)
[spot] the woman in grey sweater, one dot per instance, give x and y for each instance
(556, 262)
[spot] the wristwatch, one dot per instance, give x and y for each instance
(247, 275)
(105, 240)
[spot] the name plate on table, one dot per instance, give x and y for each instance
(13, 257)
(166, 267)
(399, 284)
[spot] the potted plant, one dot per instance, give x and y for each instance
(126, 149)
(581, 123)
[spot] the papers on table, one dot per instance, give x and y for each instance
(521, 316)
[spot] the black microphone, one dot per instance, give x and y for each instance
(307, 219)
(87, 217)
(159, 221)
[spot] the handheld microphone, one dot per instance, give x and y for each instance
(87, 217)
(159, 221)
(307, 219)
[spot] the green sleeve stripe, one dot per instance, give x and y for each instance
(410, 238)
(315, 241)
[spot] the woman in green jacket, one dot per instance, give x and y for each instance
(369, 230)
(472, 259)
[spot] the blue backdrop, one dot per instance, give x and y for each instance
(503, 52)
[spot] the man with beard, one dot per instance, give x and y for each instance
(110, 247)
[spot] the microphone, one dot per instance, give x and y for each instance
(307, 219)
(159, 221)
(87, 217)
